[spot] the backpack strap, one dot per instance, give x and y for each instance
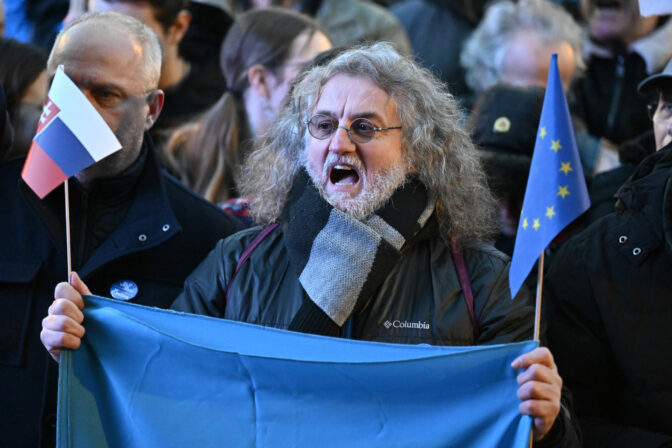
(465, 284)
(248, 251)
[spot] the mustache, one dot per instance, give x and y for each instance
(349, 159)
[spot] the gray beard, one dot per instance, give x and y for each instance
(379, 185)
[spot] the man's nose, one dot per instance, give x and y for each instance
(340, 142)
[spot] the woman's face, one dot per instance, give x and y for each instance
(36, 93)
(304, 48)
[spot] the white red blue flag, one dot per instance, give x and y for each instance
(71, 135)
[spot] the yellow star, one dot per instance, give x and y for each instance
(555, 145)
(525, 224)
(566, 167)
(550, 213)
(542, 134)
(536, 224)
(563, 191)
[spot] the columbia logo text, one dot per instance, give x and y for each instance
(405, 324)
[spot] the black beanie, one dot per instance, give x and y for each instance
(506, 118)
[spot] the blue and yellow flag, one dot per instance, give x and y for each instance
(556, 191)
(145, 377)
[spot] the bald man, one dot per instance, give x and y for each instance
(136, 232)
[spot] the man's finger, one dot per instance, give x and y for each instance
(534, 390)
(63, 324)
(53, 340)
(79, 285)
(539, 372)
(540, 355)
(66, 291)
(66, 308)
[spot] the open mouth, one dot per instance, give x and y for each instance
(343, 174)
(608, 4)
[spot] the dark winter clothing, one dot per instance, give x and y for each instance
(437, 31)
(420, 301)
(140, 237)
(200, 89)
(606, 98)
(609, 314)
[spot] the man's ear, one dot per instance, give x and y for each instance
(179, 27)
(257, 76)
(155, 101)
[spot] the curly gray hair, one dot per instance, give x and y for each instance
(438, 147)
(483, 55)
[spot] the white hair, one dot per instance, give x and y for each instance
(484, 52)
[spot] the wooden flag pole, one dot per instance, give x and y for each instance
(67, 228)
(537, 307)
(537, 314)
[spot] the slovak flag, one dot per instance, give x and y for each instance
(71, 135)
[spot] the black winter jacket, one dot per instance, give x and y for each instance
(166, 232)
(609, 315)
(420, 302)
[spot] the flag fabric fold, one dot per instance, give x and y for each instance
(556, 192)
(71, 135)
(149, 377)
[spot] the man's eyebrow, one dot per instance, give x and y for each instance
(104, 85)
(366, 114)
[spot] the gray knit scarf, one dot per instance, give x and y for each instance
(341, 262)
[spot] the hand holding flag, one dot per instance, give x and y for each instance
(71, 135)
(556, 192)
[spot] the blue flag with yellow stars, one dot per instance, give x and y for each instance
(556, 191)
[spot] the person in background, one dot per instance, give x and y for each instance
(136, 232)
(23, 75)
(437, 32)
(259, 60)
(609, 312)
(348, 22)
(504, 125)
(514, 42)
(622, 48)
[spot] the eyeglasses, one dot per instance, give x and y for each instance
(361, 130)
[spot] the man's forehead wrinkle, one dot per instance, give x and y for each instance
(352, 107)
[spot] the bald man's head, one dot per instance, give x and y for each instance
(105, 30)
(115, 61)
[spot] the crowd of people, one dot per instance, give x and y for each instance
(321, 166)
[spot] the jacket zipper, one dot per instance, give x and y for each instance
(618, 90)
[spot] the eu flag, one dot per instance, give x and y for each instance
(556, 191)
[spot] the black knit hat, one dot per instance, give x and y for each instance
(653, 82)
(506, 118)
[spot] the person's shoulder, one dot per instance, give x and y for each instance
(189, 205)
(481, 252)
(236, 244)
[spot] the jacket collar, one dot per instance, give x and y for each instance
(148, 223)
(654, 48)
(646, 201)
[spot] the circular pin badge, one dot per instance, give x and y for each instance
(502, 124)
(124, 290)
